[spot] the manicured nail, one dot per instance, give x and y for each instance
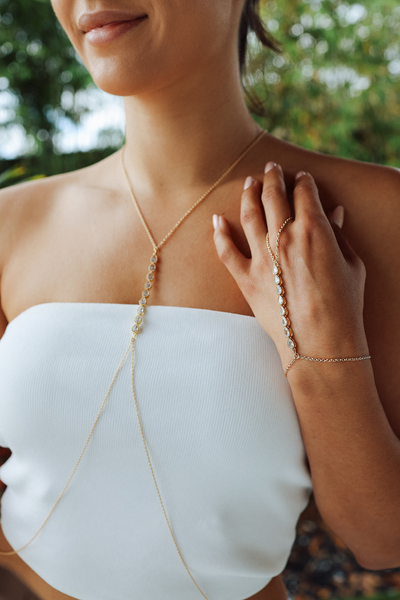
(300, 174)
(220, 222)
(269, 166)
(215, 221)
(248, 182)
(338, 216)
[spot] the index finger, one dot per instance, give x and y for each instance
(306, 198)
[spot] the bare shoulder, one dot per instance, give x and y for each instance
(26, 204)
(27, 209)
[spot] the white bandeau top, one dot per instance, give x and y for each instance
(222, 433)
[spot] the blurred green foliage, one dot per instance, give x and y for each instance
(40, 64)
(335, 87)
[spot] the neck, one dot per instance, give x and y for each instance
(184, 137)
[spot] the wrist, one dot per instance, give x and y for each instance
(309, 377)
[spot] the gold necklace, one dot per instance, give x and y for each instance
(135, 330)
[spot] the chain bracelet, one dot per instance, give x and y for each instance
(284, 312)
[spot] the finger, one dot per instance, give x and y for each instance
(274, 198)
(342, 241)
(228, 253)
(252, 216)
(306, 196)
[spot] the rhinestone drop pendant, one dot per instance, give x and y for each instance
(283, 311)
(145, 295)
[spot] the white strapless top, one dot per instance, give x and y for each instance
(222, 433)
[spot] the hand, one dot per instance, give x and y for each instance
(323, 278)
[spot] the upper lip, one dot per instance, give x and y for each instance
(89, 21)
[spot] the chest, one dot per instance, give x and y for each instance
(95, 252)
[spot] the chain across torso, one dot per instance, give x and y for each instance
(46, 246)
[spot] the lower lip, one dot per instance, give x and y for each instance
(104, 35)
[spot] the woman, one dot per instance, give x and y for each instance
(217, 411)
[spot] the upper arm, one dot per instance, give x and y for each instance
(13, 213)
(373, 230)
(7, 211)
(3, 323)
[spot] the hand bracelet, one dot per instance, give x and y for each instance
(277, 272)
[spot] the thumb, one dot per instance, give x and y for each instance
(336, 219)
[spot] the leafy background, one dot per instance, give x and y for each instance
(334, 88)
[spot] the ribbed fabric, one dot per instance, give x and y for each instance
(222, 433)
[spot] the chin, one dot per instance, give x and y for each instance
(128, 82)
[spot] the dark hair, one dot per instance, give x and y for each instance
(251, 21)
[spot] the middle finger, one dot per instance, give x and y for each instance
(274, 199)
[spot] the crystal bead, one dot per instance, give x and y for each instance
(281, 300)
(279, 290)
(154, 258)
(150, 276)
(138, 319)
(148, 285)
(285, 321)
(283, 310)
(288, 332)
(277, 280)
(152, 267)
(276, 270)
(142, 301)
(146, 293)
(291, 343)
(140, 310)
(135, 328)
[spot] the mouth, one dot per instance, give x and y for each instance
(106, 18)
(103, 27)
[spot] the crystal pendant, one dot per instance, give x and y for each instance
(148, 285)
(276, 270)
(138, 319)
(146, 294)
(150, 276)
(152, 267)
(135, 328)
(277, 280)
(142, 301)
(291, 343)
(279, 290)
(154, 258)
(281, 300)
(283, 310)
(140, 310)
(288, 332)
(285, 321)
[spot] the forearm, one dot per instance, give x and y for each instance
(354, 457)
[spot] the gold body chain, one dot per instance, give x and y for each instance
(135, 330)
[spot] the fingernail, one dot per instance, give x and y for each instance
(220, 222)
(215, 221)
(338, 216)
(269, 166)
(248, 182)
(300, 174)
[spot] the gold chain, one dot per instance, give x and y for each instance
(135, 330)
(191, 209)
(141, 309)
(277, 272)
